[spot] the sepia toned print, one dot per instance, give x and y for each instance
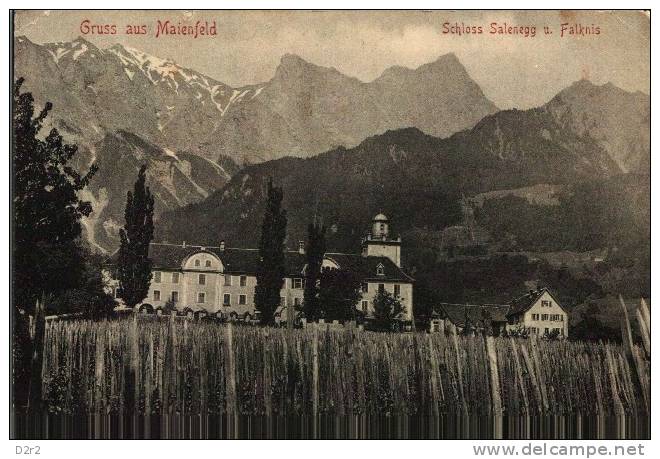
(330, 224)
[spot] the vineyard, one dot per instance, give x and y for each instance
(154, 367)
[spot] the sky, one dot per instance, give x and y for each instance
(514, 71)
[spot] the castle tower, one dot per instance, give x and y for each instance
(378, 243)
(380, 227)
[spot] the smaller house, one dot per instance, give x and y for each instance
(538, 312)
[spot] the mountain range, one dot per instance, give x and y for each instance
(303, 110)
(421, 179)
(425, 136)
(140, 103)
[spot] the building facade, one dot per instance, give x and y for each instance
(539, 313)
(222, 279)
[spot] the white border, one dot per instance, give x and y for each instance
(114, 449)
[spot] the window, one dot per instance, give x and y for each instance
(202, 279)
(365, 287)
(197, 262)
(296, 301)
(157, 277)
(365, 306)
(242, 299)
(546, 304)
(156, 295)
(208, 263)
(380, 270)
(546, 330)
(397, 290)
(226, 299)
(175, 297)
(544, 317)
(243, 281)
(381, 288)
(228, 279)
(175, 278)
(282, 301)
(535, 317)
(297, 282)
(201, 297)
(117, 292)
(562, 317)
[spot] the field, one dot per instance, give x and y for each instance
(175, 367)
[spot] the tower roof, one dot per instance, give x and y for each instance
(380, 218)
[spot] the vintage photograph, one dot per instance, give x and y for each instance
(345, 224)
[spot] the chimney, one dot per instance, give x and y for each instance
(301, 247)
(222, 246)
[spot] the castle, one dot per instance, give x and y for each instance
(222, 279)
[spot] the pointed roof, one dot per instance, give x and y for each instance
(474, 313)
(523, 303)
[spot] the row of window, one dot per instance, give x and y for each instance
(381, 288)
(297, 282)
(201, 298)
(550, 317)
(201, 279)
(242, 299)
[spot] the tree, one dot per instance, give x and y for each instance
(270, 268)
(89, 298)
(387, 309)
(314, 253)
(339, 294)
(46, 253)
(590, 328)
(134, 265)
(47, 209)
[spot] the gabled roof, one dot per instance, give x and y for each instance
(365, 267)
(523, 303)
(244, 261)
(458, 313)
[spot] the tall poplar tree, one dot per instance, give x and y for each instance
(270, 268)
(134, 265)
(314, 253)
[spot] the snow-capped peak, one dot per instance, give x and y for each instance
(154, 68)
(74, 49)
(199, 86)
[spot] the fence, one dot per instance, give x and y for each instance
(163, 366)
